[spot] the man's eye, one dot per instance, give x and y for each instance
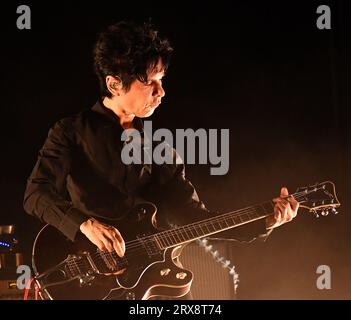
(150, 82)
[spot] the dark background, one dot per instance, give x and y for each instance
(262, 69)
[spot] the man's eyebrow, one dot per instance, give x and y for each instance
(160, 74)
(163, 71)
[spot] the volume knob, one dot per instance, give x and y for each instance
(181, 275)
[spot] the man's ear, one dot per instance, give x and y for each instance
(114, 85)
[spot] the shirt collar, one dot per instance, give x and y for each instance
(100, 108)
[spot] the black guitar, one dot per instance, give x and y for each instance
(79, 270)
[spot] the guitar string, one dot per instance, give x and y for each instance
(140, 245)
(213, 219)
(220, 218)
(133, 247)
(141, 249)
(136, 249)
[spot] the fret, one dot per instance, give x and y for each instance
(203, 225)
(245, 217)
(203, 233)
(165, 242)
(213, 225)
(159, 243)
(181, 233)
(233, 220)
(174, 241)
(184, 235)
(192, 234)
(229, 222)
(218, 224)
(197, 233)
(176, 237)
(237, 219)
(222, 225)
(189, 236)
(226, 223)
(253, 215)
(259, 209)
(168, 242)
(207, 227)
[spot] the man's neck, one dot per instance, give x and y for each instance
(125, 119)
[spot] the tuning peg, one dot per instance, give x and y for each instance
(334, 211)
(316, 214)
(324, 213)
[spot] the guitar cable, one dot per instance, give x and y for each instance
(27, 289)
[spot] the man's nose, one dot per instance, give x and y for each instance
(159, 91)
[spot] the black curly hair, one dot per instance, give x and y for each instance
(129, 51)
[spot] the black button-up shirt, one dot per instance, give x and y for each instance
(80, 174)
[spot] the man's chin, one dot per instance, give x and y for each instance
(148, 113)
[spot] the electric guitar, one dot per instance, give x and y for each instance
(79, 270)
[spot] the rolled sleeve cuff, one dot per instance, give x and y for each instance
(71, 222)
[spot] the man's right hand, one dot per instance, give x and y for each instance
(105, 237)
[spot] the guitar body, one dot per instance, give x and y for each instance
(79, 270)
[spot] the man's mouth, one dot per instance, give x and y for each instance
(154, 104)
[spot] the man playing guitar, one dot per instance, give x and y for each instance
(80, 178)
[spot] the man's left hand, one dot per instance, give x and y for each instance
(285, 210)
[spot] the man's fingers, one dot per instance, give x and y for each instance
(275, 200)
(117, 241)
(100, 245)
(107, 243)
(294, 204)
(118, 248)
(117, 245)
(279, 211)
(283, 211)
(284, 192)
(285, 207)
(120, 240)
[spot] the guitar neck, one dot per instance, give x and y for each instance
(213, 225)
(196, 230)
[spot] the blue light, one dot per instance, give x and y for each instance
(5, 244)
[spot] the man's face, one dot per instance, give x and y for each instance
(143, 98)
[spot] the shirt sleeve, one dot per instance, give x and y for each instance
(183, 198)
(46, 195)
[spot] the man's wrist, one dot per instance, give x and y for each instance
(85, 225)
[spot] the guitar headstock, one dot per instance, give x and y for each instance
(320, 199)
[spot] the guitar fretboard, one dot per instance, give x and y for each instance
(203, 228)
